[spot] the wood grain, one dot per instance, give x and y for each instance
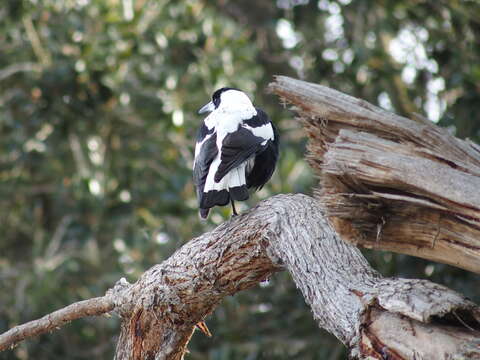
(388, 182)
(375, 317)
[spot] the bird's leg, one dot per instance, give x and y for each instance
(233, 208)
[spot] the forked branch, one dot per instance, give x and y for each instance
(347, 297)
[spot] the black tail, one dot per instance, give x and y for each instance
(239, 193)
(204, 213)
(214, 197)
(210, 199)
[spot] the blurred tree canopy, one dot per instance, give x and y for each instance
(98, 103)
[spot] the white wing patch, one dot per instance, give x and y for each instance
(235, 177)
(264, 131)
(198, 147)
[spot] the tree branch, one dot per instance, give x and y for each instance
(371, 164)
(347, 297)
(388, 182)
(19, 67)
(55, 320)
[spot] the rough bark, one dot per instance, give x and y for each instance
(374, 317)
(55, 320)
(388, 182)
(161, 309)
(347, 297)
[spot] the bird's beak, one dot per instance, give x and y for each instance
(207, 108)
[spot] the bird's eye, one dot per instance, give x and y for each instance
(216, 101)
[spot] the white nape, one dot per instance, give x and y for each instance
(234, 107)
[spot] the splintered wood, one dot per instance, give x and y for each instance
(389, 182)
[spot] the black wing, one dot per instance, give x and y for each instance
(237, 147)
(203, 160)
(261, 118)
(265, 163)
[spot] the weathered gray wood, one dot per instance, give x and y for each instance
(377, 171)
(161, 309)
(374, 317)
(347, 297)
(388, 182)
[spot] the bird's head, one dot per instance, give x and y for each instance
(227, 99)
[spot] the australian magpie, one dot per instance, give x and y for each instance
(236, 149)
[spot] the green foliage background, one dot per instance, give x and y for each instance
(98, 103)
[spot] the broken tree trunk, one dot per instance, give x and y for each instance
(375, 317)
(388, 182)
(385, 182)
(348, 298)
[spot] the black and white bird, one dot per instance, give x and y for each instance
(236, 149)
